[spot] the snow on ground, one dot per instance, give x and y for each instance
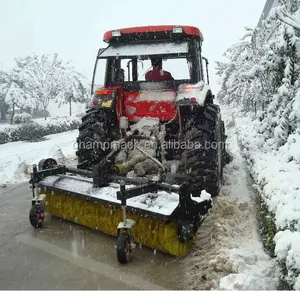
(229, 252)
(17, 156)
(277, 173)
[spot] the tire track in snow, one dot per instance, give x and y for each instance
(228, 253)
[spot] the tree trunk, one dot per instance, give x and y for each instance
(45, 111)
(70, 106)
(12, 114)
(3, 114)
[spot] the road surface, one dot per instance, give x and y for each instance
(67, 256)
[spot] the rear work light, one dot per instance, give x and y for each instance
(177, 30)
(190, 88)
(104, 92)
(116, 33)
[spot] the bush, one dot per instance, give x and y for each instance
(4, 137)
(22, 118)
(28, 132)
(34, 131)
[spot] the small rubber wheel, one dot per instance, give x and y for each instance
(36, 216)
(123, 248)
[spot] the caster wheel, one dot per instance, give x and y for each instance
(123, 248)
(47, 164)
(36, 216)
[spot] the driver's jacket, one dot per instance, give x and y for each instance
(158, 75)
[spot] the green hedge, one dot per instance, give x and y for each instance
(33, 131)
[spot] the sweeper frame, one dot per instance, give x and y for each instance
(188, 215)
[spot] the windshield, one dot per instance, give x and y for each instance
(131, 70)
(130, 65)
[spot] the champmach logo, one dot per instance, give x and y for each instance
(131, 145)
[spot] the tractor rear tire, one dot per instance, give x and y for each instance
(203, 157)
(96, 132)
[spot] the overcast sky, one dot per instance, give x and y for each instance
(74, 28)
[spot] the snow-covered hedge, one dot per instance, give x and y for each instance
(35, 130)
(22, 118)
(276, 176)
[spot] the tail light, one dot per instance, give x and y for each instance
(105, 91)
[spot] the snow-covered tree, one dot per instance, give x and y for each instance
(15, 98)
(11, 94)
(75, 91)
(47, 78)
(4, 87)
(262, 72)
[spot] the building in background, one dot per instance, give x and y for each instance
(268, 6)
(268, 33)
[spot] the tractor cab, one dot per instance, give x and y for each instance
(128, 60)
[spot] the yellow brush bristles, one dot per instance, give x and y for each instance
(149, 231)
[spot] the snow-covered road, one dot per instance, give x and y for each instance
(228, 254)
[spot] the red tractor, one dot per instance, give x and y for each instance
(154, 75)
(151, 142)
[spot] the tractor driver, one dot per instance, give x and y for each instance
(157, 73)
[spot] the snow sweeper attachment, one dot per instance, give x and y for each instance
(135, 210)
